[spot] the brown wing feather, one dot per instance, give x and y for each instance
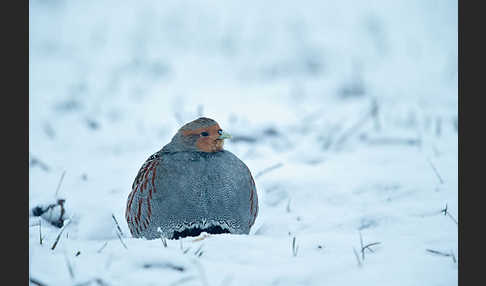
(139, 206)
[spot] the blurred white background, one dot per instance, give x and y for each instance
(355, 102)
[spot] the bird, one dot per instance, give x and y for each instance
(192, 185)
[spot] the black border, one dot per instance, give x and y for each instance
(15, 134)
(15, 23)
(471, 70)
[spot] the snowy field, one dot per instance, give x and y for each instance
(344, 111)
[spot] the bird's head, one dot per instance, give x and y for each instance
(201, 135)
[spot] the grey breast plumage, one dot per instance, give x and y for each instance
(178, 191)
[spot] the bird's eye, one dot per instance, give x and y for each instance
(204, 133)
(220, 131)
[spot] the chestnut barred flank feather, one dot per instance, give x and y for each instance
(192, 185)
(139, 205)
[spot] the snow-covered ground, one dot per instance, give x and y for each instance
(344, 111)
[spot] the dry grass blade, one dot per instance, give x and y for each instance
(36, 282)
(164, 241)
(66, 223)
(60, 182)
(102, 247)
(34, 161)
(186, 250)
(295, 247)
(446, 212)
(117, 225)
(164, 265)
(453, 218)
(440, 253)
(162, 237)
(40, 231)
(199, 251)
(435, 171)
(357, 257)
(288, 206)
(69, 266)
(361, 244)
(453, 257)
(369, 245)
(121, 240)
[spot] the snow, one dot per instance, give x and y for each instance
(354, 104)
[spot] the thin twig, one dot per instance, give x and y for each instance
(446, 212)
(40, 231)
(36, 282)
(357, 257)
(36, 161)
(164, 265)
(369, 245)
(121, 240)
(453, 257)
(117, 225)
(69, 266)
(102, 247)
(452, 217)
(186, 250)
(60, 182)
(295, 248)
(66, 223)
(435, 171)
(271, 168)
(199, 251)
(440, 253)
(361, 244)
(164, 241)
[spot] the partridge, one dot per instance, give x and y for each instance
(192, 185)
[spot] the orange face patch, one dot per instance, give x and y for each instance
(209, 143)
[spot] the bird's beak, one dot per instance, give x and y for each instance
(224, 136)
